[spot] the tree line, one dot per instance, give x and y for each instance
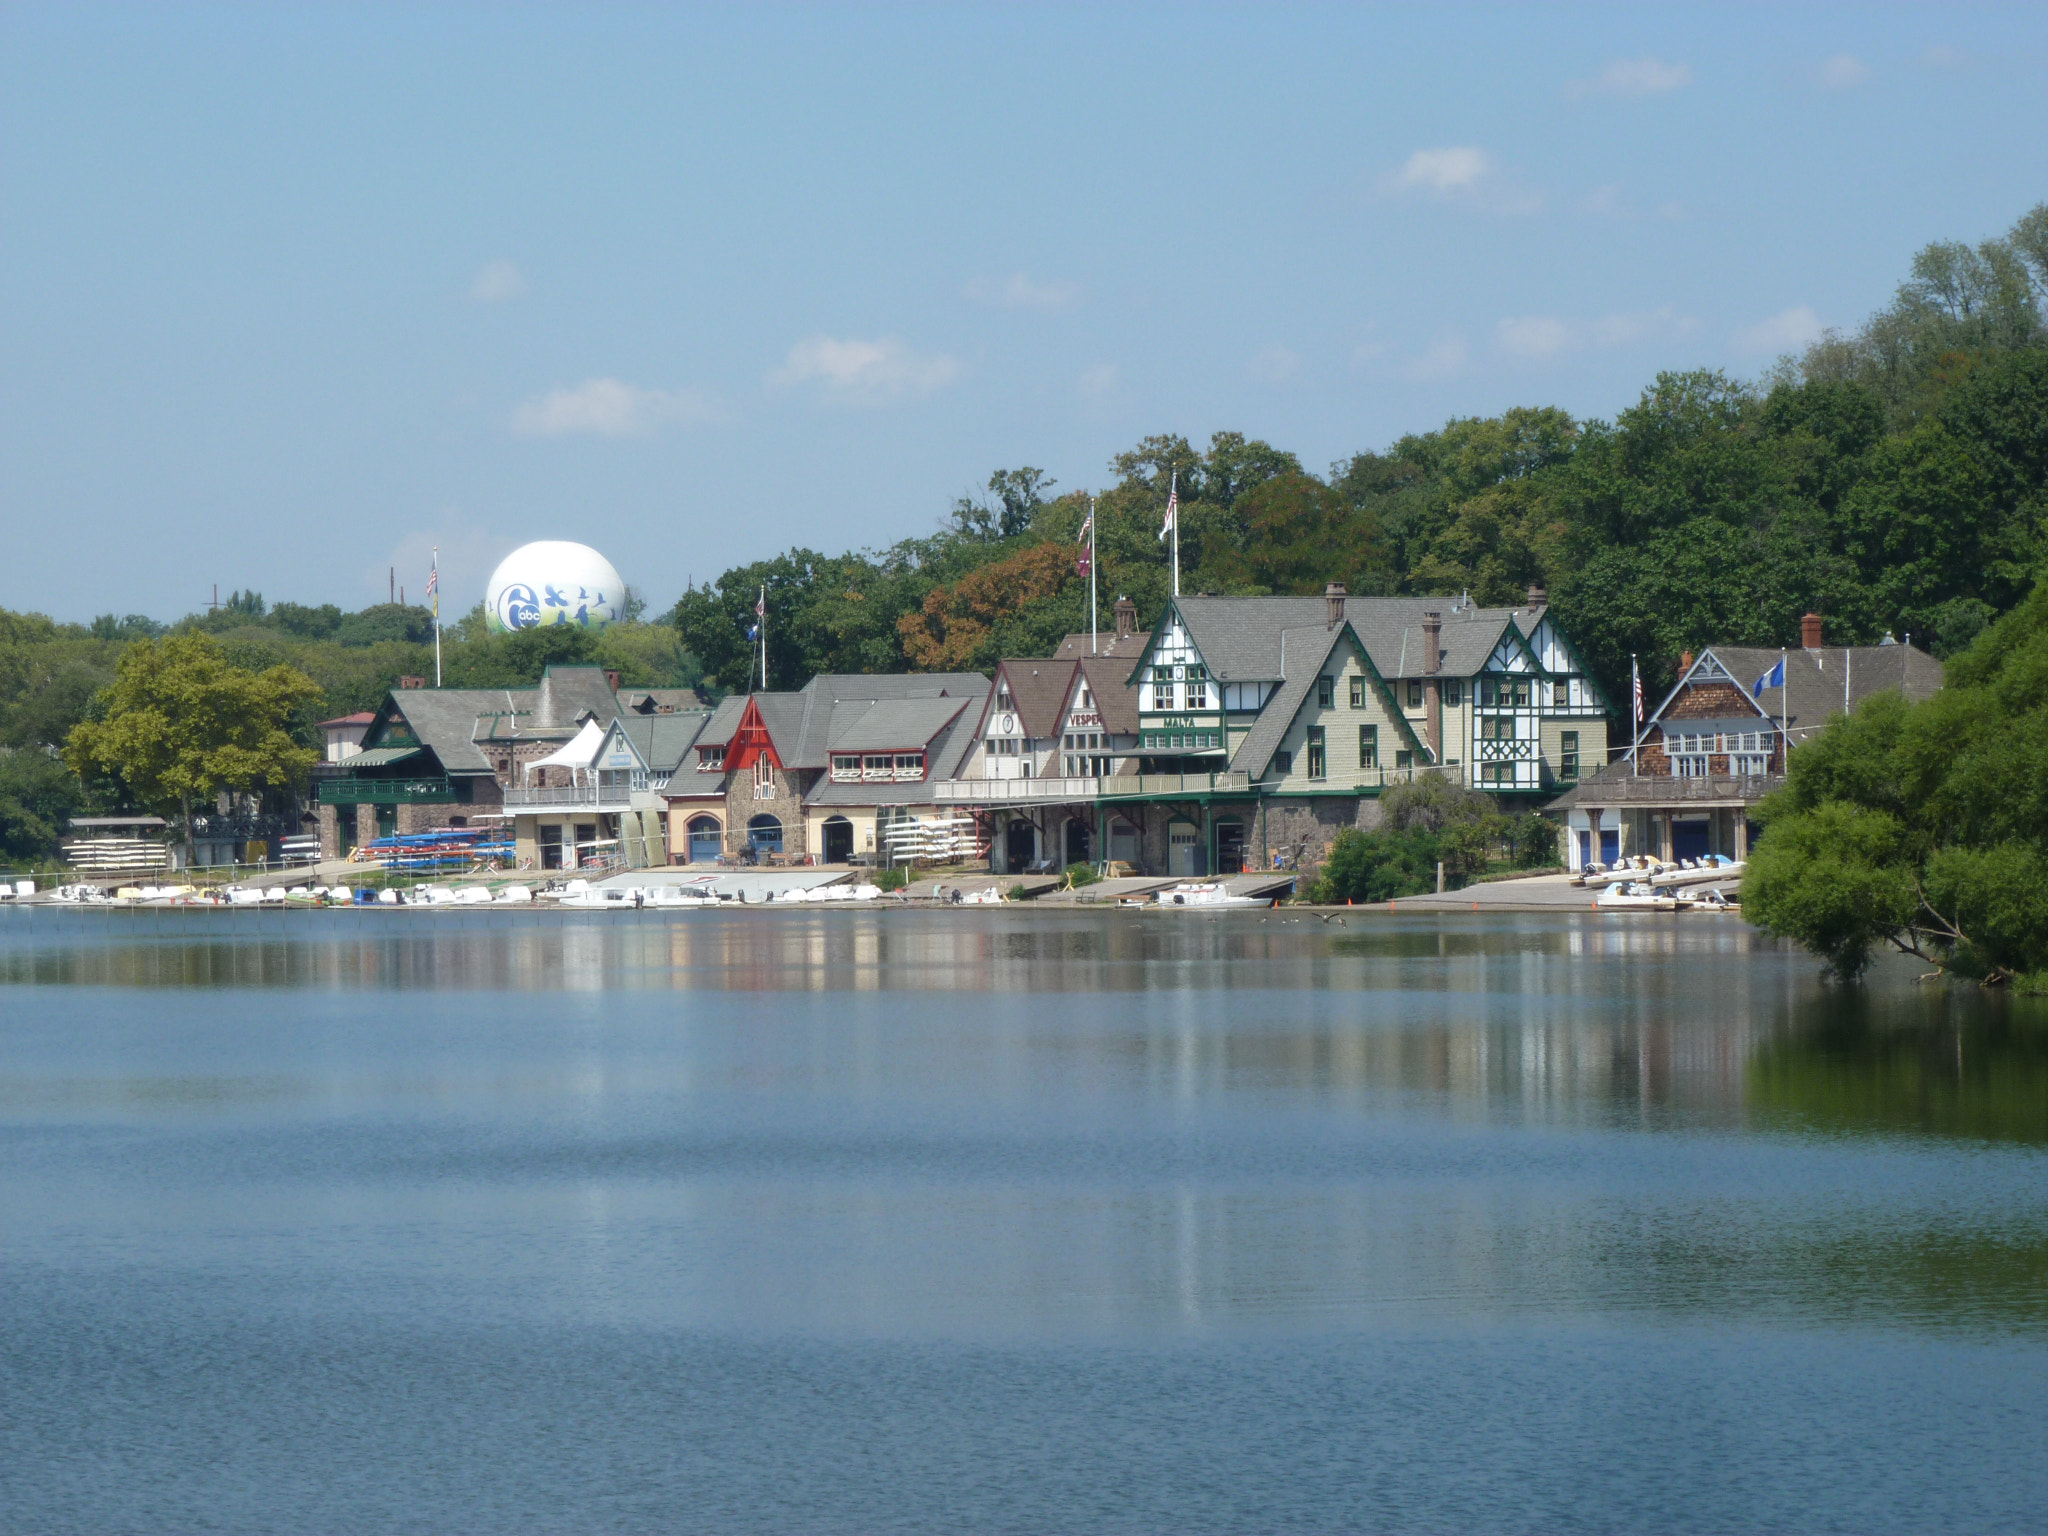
(1893, 478)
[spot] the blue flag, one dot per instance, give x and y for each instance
(1775, 678)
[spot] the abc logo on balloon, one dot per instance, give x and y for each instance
(554, 582)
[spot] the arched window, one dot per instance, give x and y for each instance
(765, 834)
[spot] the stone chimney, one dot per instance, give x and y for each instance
(1432, 690)
(1334, 595)
(1126, 617)
(1538, 598)
(611, 679)
(1809, 632)
(412, 680)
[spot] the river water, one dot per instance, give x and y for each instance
(1030, 1221)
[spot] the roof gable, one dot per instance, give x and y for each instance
(1306, 662)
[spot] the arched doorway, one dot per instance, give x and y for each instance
(1020, 846)
(705, 839)
(1079, 841)
(1229, 846)
(838, 840)
(764, 835)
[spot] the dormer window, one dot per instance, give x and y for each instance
(711, 760)
(845, 766)
(1087, 700)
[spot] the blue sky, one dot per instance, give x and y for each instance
(289, 294)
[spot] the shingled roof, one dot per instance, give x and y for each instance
(452, 723)
(1817, 681)
(1240, 637)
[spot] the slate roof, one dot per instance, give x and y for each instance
(947, 753)
(664, 741)
(1040, 687)
(1813, 679)
(1239, 637)
(1107, 643)
(1115, 699)
(804, 724)
(650, 701)
(900, 724)
(1308, 648)
(450, 722)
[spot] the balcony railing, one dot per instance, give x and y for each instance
(1013, 791)
(596, 797)
(424, 789)
(1156, 785)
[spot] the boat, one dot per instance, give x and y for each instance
(991, 896)
(1641, 896)
(513, 896)
(603, 898)
(1196, 894)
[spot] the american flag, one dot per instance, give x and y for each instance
(1087, 523)
(1172, 507)
(761, 605)
(433, 581)
(1639, 698)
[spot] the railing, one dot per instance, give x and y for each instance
(413, 791)
(1152, 785)
(590, 796)
(1013, 791)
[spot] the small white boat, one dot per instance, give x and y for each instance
(513, 896)
(604, 898)
(1206, 895)
(472, 896)
(992, 896)
(1640, 895)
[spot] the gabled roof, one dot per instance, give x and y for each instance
(944, 759)
(451, 722)
(659, 701)
(1818, 681)
(1106, 643)
(1115, 699)
(902, 725)
(1239, 637)
(801, 723)
(1039, 687)
(1308, 652)
(663, 741)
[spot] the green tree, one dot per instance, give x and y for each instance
(1923, 826)
(38, 797)
(180, 723)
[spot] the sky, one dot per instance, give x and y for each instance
(291, 295)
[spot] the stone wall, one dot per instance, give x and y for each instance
(785, 802)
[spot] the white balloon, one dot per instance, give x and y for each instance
(554, 582)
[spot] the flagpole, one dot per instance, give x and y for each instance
(764, 637)
(1091, 577)
(437, 615)
(1173, 500)
(1785, 709)
(1635, 704)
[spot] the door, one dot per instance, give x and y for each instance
(1123, 842)
(1078, 841)
(838, 840)
(1229, 847)
(1610, 847)
(1020, 846)
(584, 854)
(1585, 849)
(1185, 855)
(764, 833)
(1689, 840)
(705, 839)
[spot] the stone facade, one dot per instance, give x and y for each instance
(782, 797)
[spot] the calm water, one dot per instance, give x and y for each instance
(1008, 1221)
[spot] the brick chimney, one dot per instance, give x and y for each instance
(1538, 598)
(1334, 595)
(1809, 632)
(412, 680)
(1684, 662)
(611, 679)
(1126, 617)
(1432, 690)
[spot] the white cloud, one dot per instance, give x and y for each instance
(1842, 72)
(497, 282)
(1097, 381)
(1532, 338)
(1444, 359)
(1633, 77)
(866, 371)
(1273, 365)
(1020, 291)
(609, 408)
(1460, 173)
(1784, 331)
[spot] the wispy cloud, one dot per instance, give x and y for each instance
(1633, 77)
(1843, 72)
(1532, 338)
(866, 372)
(1443, 359)
(1273, 365)
(1097, 381)
(1021, 291)
(497, 282)
(609, 408)
(1461, 173)
(1782, 332)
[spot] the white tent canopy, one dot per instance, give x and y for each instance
(580, 752)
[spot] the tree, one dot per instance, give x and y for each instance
(1923, 826)
(38, 797)
(180, 723)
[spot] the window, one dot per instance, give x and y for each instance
(1198, 687)
(1497, 773)
(1283, 763)
(1690, 766)
(1560, 694)
(1067, 767)
(1368, 746)
(1004, 703)
(1358, 693)
(1318, 764)
(711, 760)
(1162, 688)
(764, 778)
(1750, 764)
(1404, 761)
(846, 767)
(909, 767)
(1415, 693)
(1496, 727)
(1086, 697)
(1326, 692)
(1568, 755)
(1454, 692)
